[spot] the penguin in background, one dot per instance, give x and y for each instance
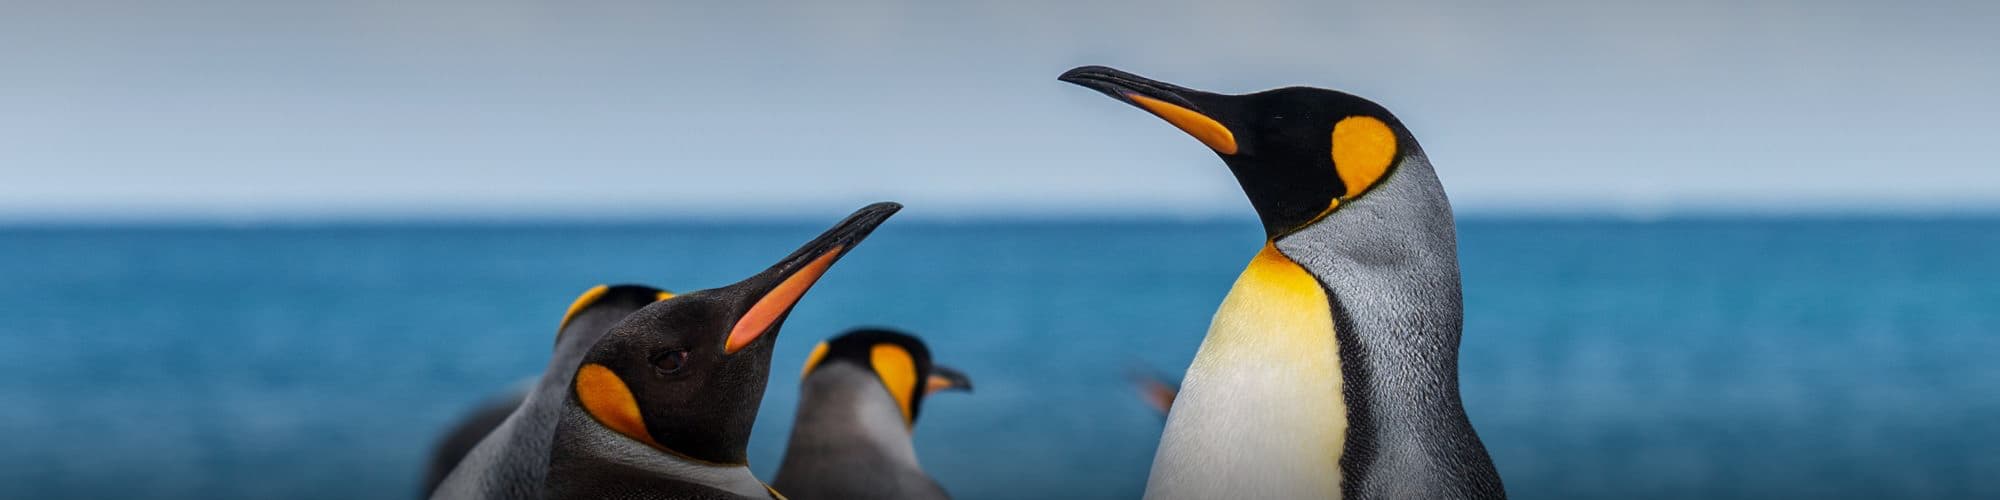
(859, 398)
(1154, 389)
(585, 321)
(1331, 368)
(661, 403)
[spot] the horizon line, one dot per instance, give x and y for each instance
(283, 218)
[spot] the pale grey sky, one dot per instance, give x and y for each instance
(245, 108)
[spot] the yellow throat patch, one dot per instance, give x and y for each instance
(1261, 409)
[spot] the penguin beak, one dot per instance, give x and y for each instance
(945, 378)
(1173, 103)
(779, 288)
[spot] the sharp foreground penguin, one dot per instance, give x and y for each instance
(1331, 369)
(660, 405)
(858, 403)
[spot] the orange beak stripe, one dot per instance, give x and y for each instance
(937, 383)
(774, 304)
(1203, 128)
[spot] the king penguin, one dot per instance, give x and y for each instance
(859, 399)
(661, 404)
(587, 318)
(1331, 368)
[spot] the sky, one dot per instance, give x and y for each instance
(248, 109)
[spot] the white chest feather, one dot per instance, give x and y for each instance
(1260, 413)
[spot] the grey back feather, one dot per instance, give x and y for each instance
(1389, 260)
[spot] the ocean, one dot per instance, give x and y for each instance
(1681, 358)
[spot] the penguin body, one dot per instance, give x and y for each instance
(859, 399)
(468, 432)
(1417, 441)
(663, 404)
(1330, 370)
(510, 458)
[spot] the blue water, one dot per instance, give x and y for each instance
(1677, 359)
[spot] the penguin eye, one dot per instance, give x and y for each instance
(671, 362)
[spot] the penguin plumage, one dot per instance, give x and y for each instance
(1331, 369)
(859, 398)
(507, 456)
(467, 432)
(663, 404)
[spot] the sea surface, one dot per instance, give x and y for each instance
(1700, 358)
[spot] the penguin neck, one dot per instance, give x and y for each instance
(845, 409)
(586, 452)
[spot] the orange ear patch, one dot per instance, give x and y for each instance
(1203, 128)
(605, 396)
(774, 304)
(812, 360)
(898, 372)
(1363, 149)
(582, 301)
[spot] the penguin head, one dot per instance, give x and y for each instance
(899, 360)
(685, 375)
(1299, 153)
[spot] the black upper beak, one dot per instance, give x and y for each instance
(837, 240)
(774, 291)
(945, 378)
(1121, 86)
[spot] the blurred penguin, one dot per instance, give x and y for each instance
(858, 404)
